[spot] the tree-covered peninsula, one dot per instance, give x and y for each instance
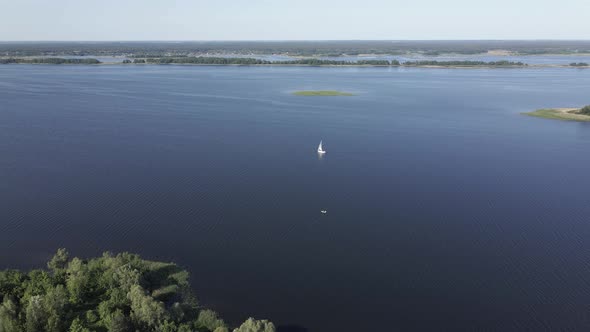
(114, 293)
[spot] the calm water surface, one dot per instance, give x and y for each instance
(447, 209)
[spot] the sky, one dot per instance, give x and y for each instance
(36, 20)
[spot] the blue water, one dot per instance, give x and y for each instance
(447, 208)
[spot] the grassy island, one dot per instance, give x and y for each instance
(50, 61)
(114, 293)
(567, 114)
(323, 93)
(461, 63)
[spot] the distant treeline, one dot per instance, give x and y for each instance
(53, 61)
(503, 63)
(205, 61)
(253, 61)
(294, 48)
(320, 62)
(579, 64)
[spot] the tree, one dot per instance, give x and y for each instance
(11, 282)
(144, 309)
(209, 320)
(253, 325)
(36, 316)
(38, 282)
(126, 277)
(77, 280)
(118, 322)
(55, 302)
(585, 110)
(167, 326)
(8, 316)
(59, 261)
(185, 328)
(78, 326)
(119, 293)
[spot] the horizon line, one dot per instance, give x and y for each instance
(278, 40)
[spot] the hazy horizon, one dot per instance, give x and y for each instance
(283, 40)
(265, 20)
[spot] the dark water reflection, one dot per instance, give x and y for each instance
(447, 209)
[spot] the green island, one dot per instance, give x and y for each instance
(114, 293)
(461, 63)
(253, 61)
(567, 114)
(322, 93)
(51, 61)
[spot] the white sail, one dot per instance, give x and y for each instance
(320, 149)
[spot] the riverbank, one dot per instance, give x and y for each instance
(565, 114)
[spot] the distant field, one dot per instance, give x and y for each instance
(322, 93)
(567, 114)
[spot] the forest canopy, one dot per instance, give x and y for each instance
(115, 293)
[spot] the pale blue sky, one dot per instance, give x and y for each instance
(293, 20)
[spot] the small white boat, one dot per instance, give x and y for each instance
(324, 211)
(320, 149)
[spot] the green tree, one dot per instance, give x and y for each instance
(126, 277)
(11, 283)
(145, 311)
(253, 325)
(36, 316)
(78, 326)
(91, 317)
(209, 320)
(55, 302)
(585, 110)
(8, 316)
(57, 264)
(59, 261)
(167, 326)
(38, 282)
(110, 293)
(77, 280)
(184, 328)
(118, 322)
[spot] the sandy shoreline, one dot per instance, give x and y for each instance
(564, 113)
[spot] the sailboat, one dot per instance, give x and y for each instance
(320, 149)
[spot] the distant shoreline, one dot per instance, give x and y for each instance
(310, 62)
(531, 66)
